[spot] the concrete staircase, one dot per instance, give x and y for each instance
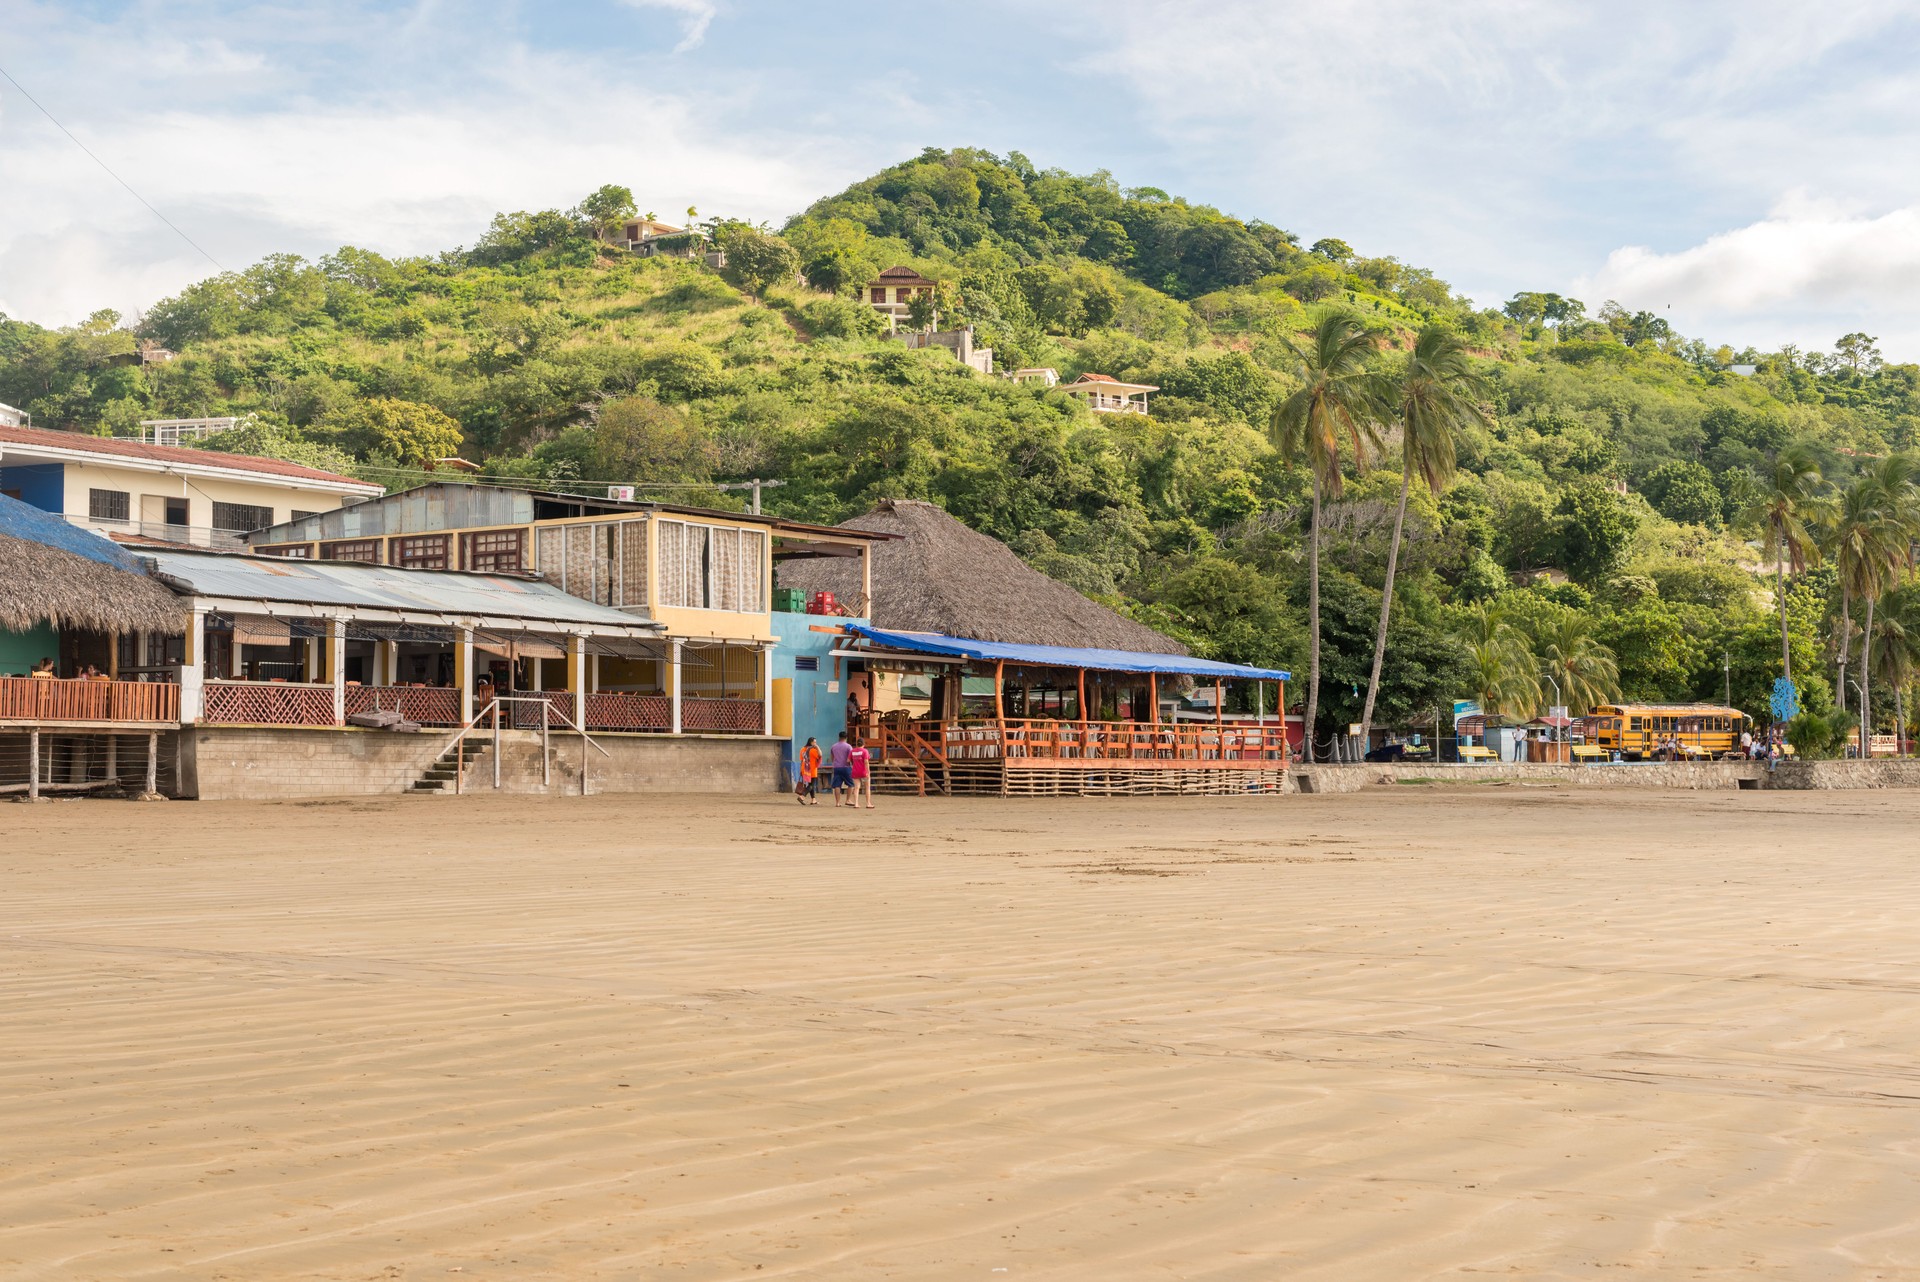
(439, 777)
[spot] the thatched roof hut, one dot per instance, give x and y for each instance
(53, 572)
(940, 576)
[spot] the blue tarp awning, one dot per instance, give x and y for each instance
(1060, 656)
(22, 521)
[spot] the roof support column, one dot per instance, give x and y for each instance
(463, 672)
(577, 678)
(193, 660)
(1080, 706)
(337, 668)
(673, 681)
(766, 689)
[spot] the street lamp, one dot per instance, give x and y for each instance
(1726, 666)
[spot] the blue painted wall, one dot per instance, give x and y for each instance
(41, 485)
(817, 711)
(19, 651)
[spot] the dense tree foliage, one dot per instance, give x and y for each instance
(1604, 494)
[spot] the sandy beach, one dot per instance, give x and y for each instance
(1410, 1033)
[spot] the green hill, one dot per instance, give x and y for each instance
(1620, 452)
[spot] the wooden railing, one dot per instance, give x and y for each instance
(423, 705)
(722, 716)
(1192, 743)
(624, 710)
(268, 703)
(51, 699)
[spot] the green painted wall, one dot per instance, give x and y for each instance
(19, 651)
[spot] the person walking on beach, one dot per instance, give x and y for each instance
(859, 763)
(842, 775)
(808, 789)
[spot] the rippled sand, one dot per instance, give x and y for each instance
(1398, 1035)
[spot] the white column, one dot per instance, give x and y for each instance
(673, 676)
(392, 676)
(463, 672)
(766, 690)
(193, 680)
(337, 668)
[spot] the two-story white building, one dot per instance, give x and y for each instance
(174, 493)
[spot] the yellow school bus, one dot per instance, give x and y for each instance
(1638, 731)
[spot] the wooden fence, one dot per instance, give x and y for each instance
(52, 699)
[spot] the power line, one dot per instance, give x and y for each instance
(103, 164)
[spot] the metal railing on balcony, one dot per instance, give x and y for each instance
(199, 536)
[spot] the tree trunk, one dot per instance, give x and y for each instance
(1846, 635)
(1780, 593)
(1386, 606)
(1866, 688)
(1313, 610)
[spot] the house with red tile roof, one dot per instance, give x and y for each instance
(1106, 395)
(171, 493)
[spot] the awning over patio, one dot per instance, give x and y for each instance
(1054, 656)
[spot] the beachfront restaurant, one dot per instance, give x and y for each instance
(1004, 719)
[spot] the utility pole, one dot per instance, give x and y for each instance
(754, 487)
(1726, 666)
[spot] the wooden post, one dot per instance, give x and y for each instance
(999, 673)
(153, 763)
(577, 681)
(33, 765)
(1085, 746)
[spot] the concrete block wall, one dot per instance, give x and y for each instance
(1653, 774)
(220, 763)
(223, 763)
(1821, 775)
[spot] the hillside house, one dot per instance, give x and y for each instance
(1036, 375)
(893, 290)
(958, 341)
(1105, 395)
(169, 493)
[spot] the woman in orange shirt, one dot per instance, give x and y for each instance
(807, 789)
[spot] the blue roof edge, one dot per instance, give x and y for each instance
(1056, 656)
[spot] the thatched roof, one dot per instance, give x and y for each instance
(940, 576)
(43, 584)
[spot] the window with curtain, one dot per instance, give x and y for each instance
(712, 567)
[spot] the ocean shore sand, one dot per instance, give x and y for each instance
(1411, 1033)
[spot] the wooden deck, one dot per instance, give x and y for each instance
(1010, 757)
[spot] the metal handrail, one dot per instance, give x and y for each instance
(547, 710)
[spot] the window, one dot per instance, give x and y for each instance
(879, 293)
(293, 551)
(352, 550)
(108, 505)
(712, 567)
(495, 552)
(806, 663)
(420, 552)
(298, 515)
(241, 517)
(1633, 723)
(177, 512)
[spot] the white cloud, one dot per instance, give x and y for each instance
(696, 17)
(274, 159)
(1806, 272)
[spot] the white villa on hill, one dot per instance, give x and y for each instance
(1106, 395)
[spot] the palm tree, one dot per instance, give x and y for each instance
(1337, 401)
(1584, 669)
(1869, 533)
(1786, 515)
(1432, 401)
(1892, 522)
(1501, 665)
(1896, 650)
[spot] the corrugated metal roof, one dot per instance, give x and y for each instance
(382, 587)
(29, 437)
(1055, 656)
(31, 524)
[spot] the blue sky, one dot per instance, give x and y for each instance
(1747, 169)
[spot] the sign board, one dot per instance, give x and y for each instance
(1785, 702)
(1465, 708)
(620, 493)
(1558, 710)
